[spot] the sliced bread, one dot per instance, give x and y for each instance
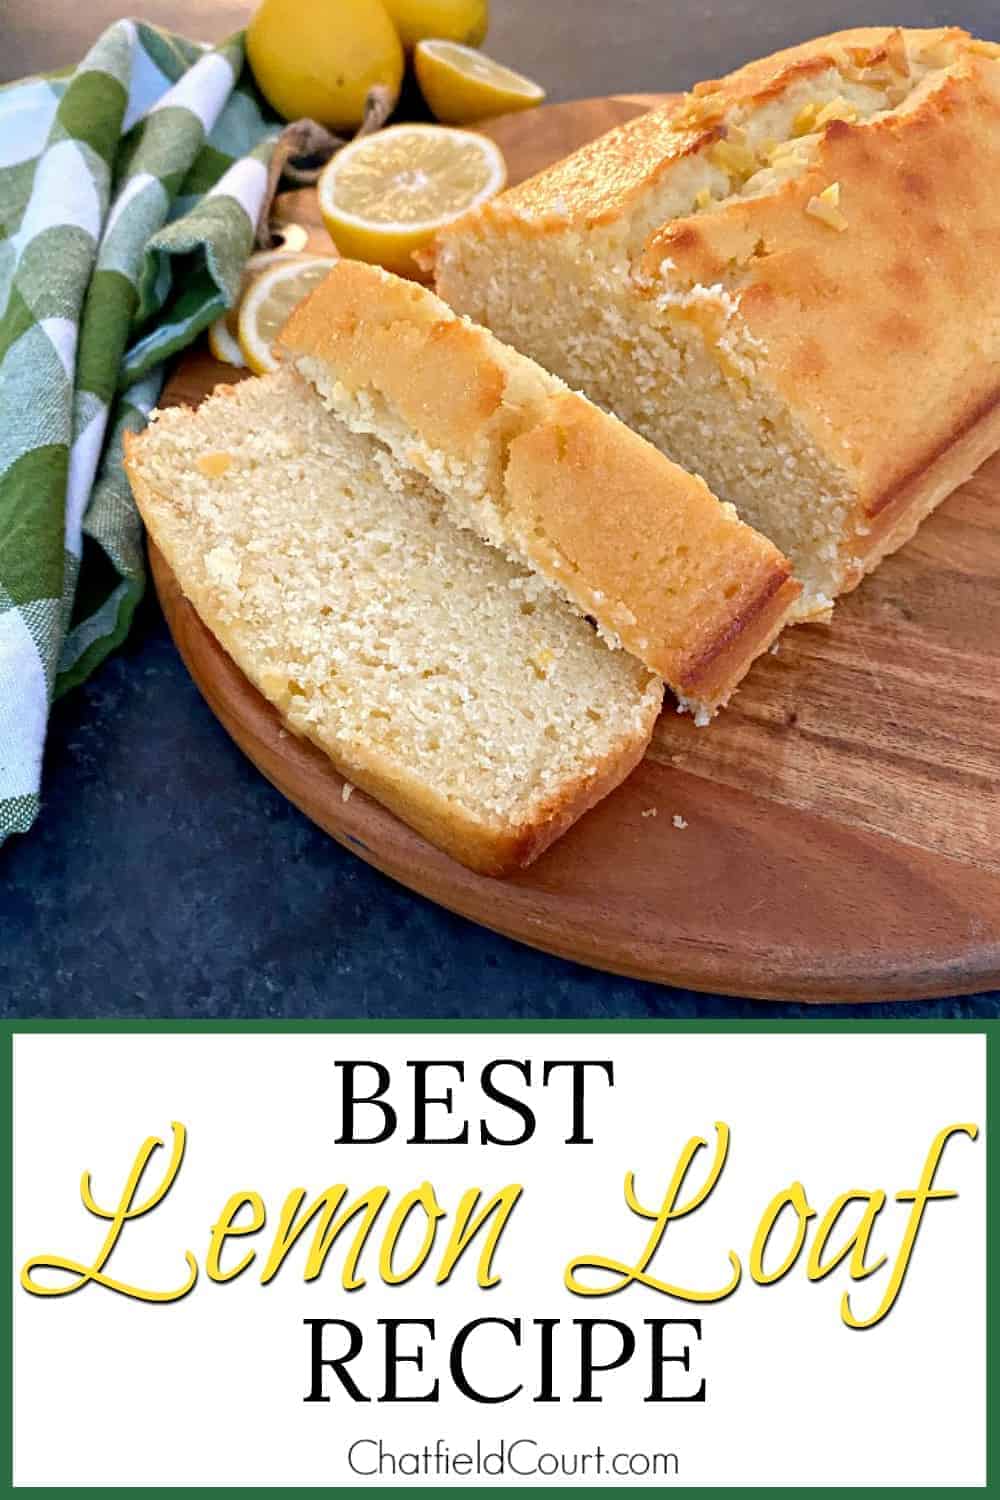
(630, 539)
(789, 282)
(437, 675)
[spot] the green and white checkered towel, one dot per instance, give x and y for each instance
(129, 193)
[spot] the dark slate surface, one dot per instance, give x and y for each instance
(165, 877)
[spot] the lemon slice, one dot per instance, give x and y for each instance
(262, 261)
(223, 335)
(461, 85)
(386, 195)
(225, 348)
(268, 303)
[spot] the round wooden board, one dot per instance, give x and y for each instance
(841, 820)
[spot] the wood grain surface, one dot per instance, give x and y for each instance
(841, 834)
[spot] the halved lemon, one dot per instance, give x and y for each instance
(461, 85)
(268, 303)
(387, 194)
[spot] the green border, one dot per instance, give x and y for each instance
(8, 1030)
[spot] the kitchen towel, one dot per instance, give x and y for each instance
(130, 189)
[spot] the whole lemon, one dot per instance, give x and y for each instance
(317, 59)
(455, 20)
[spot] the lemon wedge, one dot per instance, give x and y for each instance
(387, 194)
(225, 348)
(461, 85)
(268, 303)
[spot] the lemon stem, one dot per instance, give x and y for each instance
(304, 147)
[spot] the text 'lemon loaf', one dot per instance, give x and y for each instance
(437, 675)
(537, 470)
(789, 282)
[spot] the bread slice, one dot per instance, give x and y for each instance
(789, 282)
(538, 471)
(436, 675)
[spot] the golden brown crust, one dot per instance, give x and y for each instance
(604, 181)
(635, 541)
(893, 326)
(683, 583)
(489, 848)
(551, 821)
(373, 327)
(756, 628)
(883, 340)
(911, 502)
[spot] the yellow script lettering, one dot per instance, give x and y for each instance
(227, 1228)
(669, 1210)
(127, 1209)
(331, 1222)
(919, 1196)
(465, 1229)
(856, 1244)
(793, 1197)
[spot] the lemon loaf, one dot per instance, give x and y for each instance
(436, 675)
(789, 281)
(534, 468)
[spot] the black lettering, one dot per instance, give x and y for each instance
(499, 1096)
(588, 1368)
(421, 1101)
(578, 1136)
(548, 1327)
(317, 1359)
(458, 1374)
(349, 1099)
(393, 1358)
(660, 1359)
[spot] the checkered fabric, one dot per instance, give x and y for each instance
(129, 192)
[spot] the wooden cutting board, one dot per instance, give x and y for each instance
(841, 820)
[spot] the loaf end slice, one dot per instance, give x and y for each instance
(436, 675)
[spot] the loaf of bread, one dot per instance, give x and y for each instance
(437, 675)
(627, 537)
(789, 282)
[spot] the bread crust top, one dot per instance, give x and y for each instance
(634, 540)
(872, 309)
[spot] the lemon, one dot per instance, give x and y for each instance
(223, 335)
(292, 238)
(268, 303)
(317, 59)
(386, 195)
(263, 260)
(224, 347)
(461, 85)
(457, 20)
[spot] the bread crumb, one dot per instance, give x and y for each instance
(678, 821)
(223, 566)
(345, 792)
(370, 621)
(649, 812)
